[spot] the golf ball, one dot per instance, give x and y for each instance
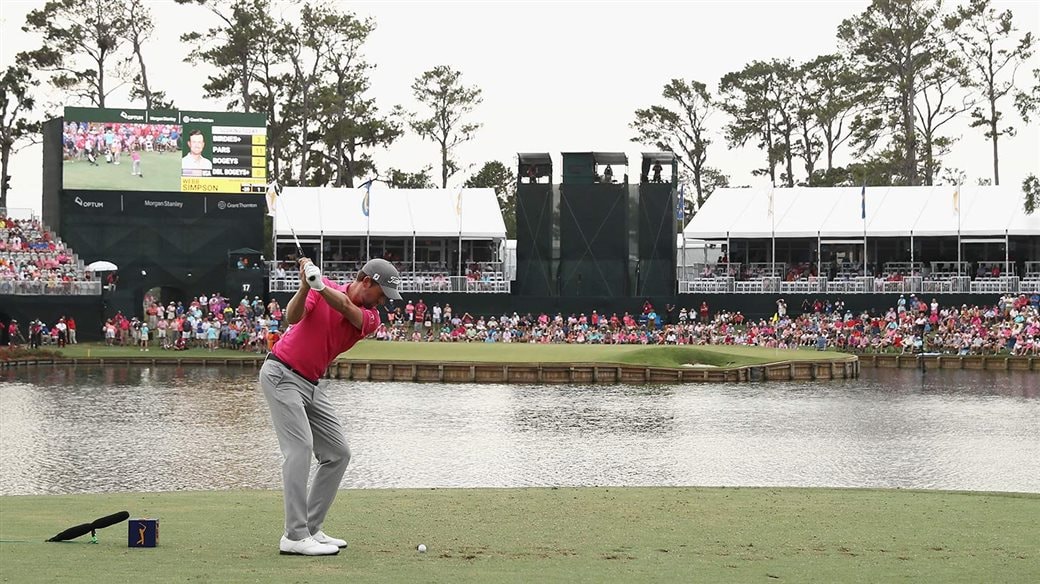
(422, 548)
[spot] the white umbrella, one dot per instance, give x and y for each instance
(102, 266)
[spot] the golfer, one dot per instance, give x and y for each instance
(194, 163)
(327, 319)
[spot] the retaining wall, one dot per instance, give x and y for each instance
(427, 371)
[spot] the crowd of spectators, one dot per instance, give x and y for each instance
(30, 252)
(210, 323)
(89, 141)
(1012, 326)
(914, 325)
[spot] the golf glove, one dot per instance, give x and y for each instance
(313, 275)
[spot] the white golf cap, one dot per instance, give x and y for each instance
(386, 275)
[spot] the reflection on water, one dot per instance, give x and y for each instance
(91, 429)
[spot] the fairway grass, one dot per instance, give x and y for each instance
(653, 355)
(541, 535)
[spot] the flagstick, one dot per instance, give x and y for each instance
(863, 202)
(772, 223)
(959, 235)
(458, 211)
(321, 235)
(682, 227)
(368, 222)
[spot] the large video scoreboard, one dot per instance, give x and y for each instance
(178, 151)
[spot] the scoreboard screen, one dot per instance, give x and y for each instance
(177, 151)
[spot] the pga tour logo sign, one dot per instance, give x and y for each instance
(89, 204)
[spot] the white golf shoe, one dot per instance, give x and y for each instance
(320, 537)
(305, 547)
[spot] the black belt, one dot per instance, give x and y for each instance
(274, 357)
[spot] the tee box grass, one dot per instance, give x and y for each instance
(596, 534)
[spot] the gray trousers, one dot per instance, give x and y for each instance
(305, 422)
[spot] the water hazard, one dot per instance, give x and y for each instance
(97, 429)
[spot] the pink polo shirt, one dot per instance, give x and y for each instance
(311, 344)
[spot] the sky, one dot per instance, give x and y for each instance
(556, 76)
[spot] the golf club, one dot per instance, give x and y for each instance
(299, 248)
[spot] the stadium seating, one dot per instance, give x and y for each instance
(34, 261)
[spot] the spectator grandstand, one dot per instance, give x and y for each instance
(439, 240)
(34, 261)
(866, 240)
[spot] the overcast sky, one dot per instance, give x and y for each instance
(557, 77)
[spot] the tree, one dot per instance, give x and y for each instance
(16, 103)
(349, 122)
(321, 28)
(935, 107)
(992, 55)
(140, 28)
(781, 90)
(76, 32)
(806, 100)
(400, 179)
(233, 47)
(270, 91)
(1028, 103)
(449, 101)
(892, 44)
(681, 128)
(831, 82)
(759, 99)
(1031, 189)
(712, 179)
(251, 51)
(495, 175)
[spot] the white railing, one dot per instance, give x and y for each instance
(858, 285)
(809, 285)
(1029, 286)
(488, 282)
(716, 270)
(1001, 284)
(938, 286)
(706, 285)
(908, 285)
(43, 288)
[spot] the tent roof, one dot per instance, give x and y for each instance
(664, 157)
(337, 212)
(720, 213)
(603, 157)
(836, 212)
(481, 216)
(534, 158)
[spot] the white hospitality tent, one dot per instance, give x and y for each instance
(971, 214)
(316, 213)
